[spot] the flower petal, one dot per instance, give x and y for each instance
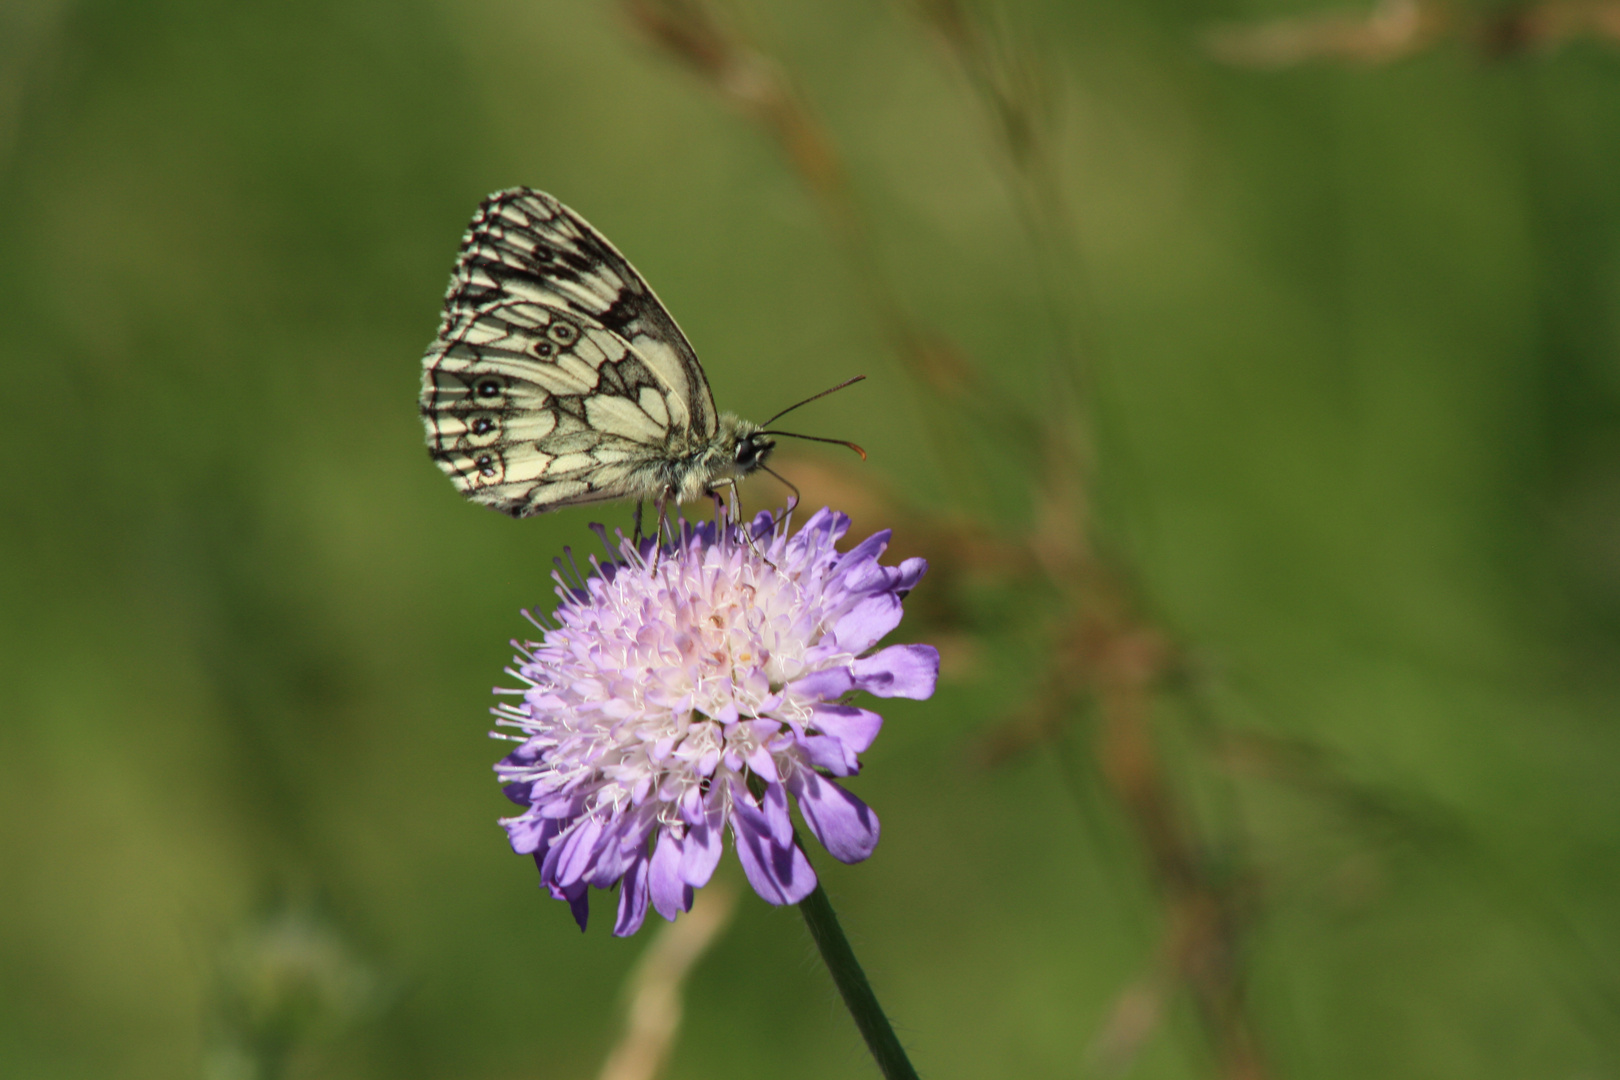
(865, 624)
(761, 765)
(632, 899)
(827, 685)
(855, 728)
(670, 895)
(531, 835)
(828, 753)
(823, 530)
(578, 897)
(866, 551)
(570, 857)
(908, 671)
(779, 873)
(907, 574)
(700, 853)
(617, 851)
(775, 807)
(846, 826)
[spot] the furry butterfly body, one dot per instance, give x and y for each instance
(558, 379)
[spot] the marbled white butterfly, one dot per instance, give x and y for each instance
(558, 378)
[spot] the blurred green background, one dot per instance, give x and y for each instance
(1358, 442)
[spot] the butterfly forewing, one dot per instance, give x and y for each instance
(557, 378)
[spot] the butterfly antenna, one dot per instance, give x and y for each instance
(815, 438)
(813, 397)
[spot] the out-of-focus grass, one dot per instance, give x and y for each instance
(1356, 437)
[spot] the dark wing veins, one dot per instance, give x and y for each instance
(527, 237)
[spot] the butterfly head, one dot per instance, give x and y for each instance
(746, 444)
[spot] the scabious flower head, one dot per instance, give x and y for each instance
(691, 690)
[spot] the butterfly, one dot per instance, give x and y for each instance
(558, 379)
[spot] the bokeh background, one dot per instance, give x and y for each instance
(1343, 469)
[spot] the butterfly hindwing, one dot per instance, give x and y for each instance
(557, 378)
(527, 409)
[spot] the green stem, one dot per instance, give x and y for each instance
(853, 987)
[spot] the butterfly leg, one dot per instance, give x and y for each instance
(724, 510)
(638, 532)
(747, 527)
(659, 505)
(732, 510)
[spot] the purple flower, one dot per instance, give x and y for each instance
(686, 693)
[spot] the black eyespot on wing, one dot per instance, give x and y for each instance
(562, 332)
(489, 388)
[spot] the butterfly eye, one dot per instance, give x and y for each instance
(563, 333)
(746, 452)
(489, 388)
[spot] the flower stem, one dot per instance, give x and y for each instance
(853, 987)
